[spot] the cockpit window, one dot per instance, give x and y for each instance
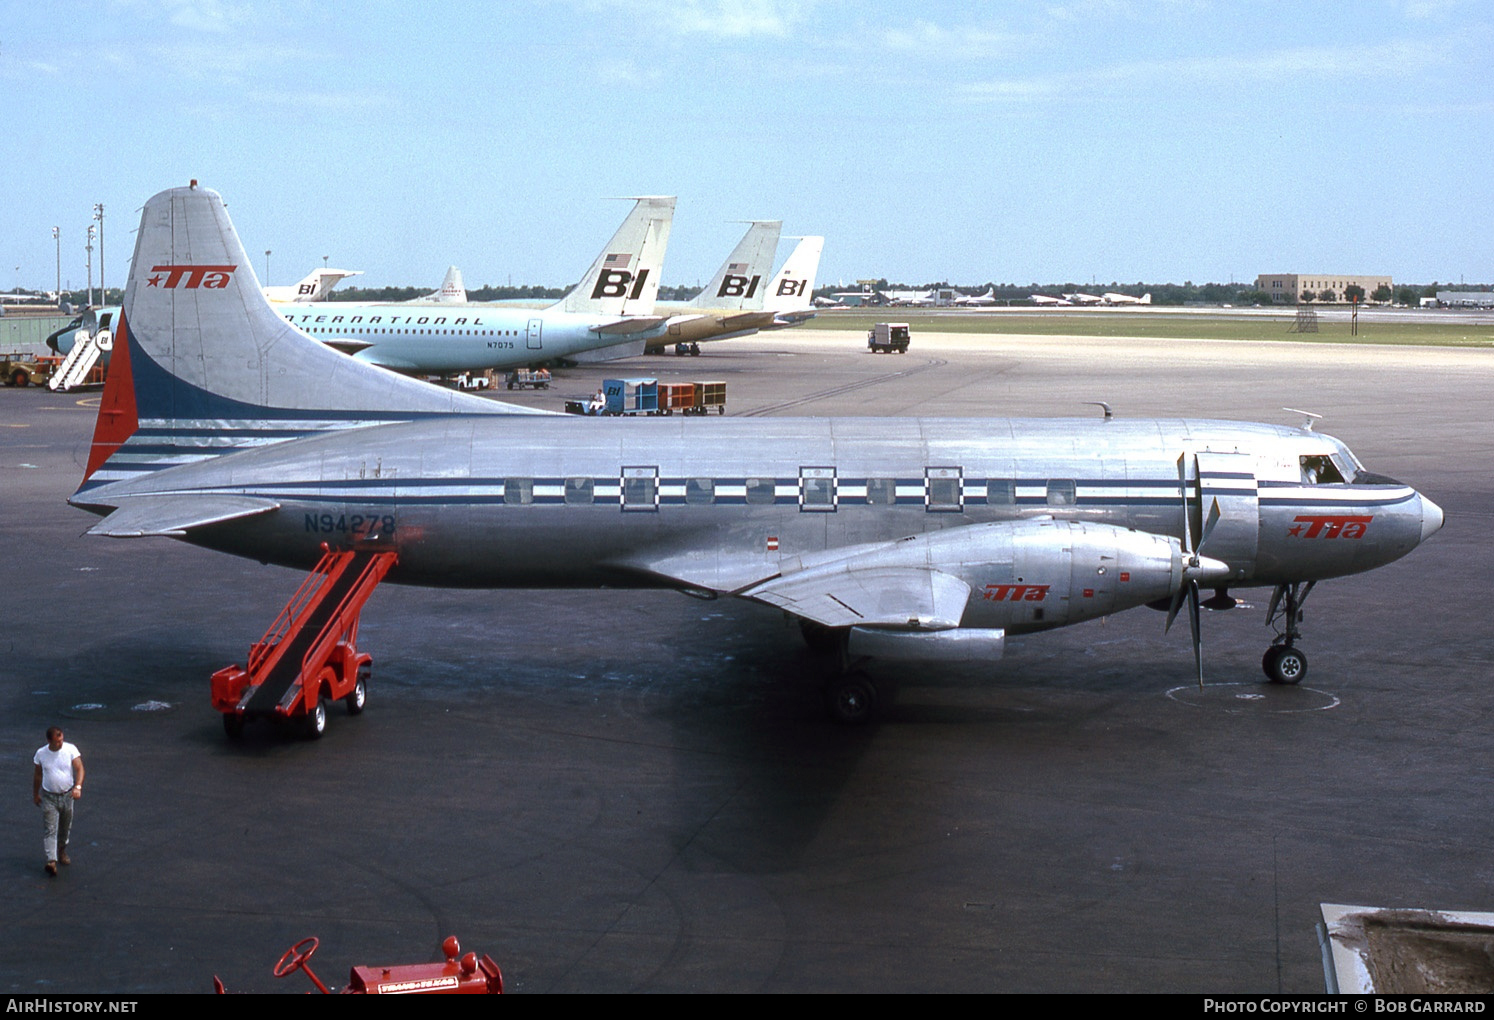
(1320, 470)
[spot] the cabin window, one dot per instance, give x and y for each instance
(640, 488)
(817, 489)
(881, 491)
(1001, 492)
(1062, 492)
(761, 490)
(578, 491)
(944, 489)
(1320, 471)
(700, 491)
(518, 491)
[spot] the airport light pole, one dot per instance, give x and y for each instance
(267, 267)
(89, 248)
(98, 214)
(57, 239)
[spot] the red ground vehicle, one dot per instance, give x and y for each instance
(310, 654)
(458, 975)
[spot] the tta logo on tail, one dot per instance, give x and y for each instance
(1329, 526)
(190, 277)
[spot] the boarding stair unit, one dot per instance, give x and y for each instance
(74, 370)
(309, 656)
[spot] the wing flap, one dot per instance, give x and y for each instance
(917, 598)
(173, 515)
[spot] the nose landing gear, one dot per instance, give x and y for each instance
(1283, 662)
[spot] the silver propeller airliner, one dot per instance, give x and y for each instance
(223, 426)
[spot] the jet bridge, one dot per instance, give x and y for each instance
(309, 656)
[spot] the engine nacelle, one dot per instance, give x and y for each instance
(964, 644)
(1033, 575)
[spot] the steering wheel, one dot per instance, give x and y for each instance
(296, 956)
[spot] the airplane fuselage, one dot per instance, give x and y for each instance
(453, 338)
(717, 505)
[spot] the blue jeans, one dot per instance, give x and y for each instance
(57, 821)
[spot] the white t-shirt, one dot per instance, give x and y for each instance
(57, 767)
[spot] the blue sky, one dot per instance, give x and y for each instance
(1094, 140)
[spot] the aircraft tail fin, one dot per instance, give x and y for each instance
(452, 290)
(204, 365)
(792, 288)
(314, 287)
(624, 279)
(741, 282)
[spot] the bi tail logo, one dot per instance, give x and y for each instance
(190, 277)
(738, 286)
(791, 288)
(615, 278)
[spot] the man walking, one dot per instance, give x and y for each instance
(56, 783)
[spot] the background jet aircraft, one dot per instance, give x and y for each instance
(451, 292)
(314, 287)
(903, 538)
(612, 304)
(978, 300)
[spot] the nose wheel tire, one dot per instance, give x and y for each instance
(852, 699)
(1284, 665)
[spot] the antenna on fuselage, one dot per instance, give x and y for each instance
(1308, 418)
(1109, 414)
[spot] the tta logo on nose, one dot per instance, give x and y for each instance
(190, 277)
(1312, 526)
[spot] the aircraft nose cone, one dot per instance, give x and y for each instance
(1431, 518)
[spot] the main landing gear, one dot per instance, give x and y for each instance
(1283, 662)
(851, 696)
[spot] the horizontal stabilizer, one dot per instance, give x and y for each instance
(347, 345)
(629, 326)
(175, 515)
(844, 596)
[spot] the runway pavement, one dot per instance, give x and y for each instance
(624, 791)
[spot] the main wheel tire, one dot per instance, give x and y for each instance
(358, 697)
(316, 720)
(1283, 665)
(851, 699)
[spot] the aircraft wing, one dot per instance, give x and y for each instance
(174, 515)
(844, 595)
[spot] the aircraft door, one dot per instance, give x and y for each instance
(1228, 481)
(533, 334)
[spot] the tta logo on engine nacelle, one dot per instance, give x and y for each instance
(738, 286)
(191, 277)
(615, 283)
(1016, 592)
(1329, 526)
(792, 288)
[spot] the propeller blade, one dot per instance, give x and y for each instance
(1198, 660)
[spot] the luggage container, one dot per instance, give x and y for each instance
(709, 395)
(677, 396)
(631, 396)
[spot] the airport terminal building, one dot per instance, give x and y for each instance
(1287, 288)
